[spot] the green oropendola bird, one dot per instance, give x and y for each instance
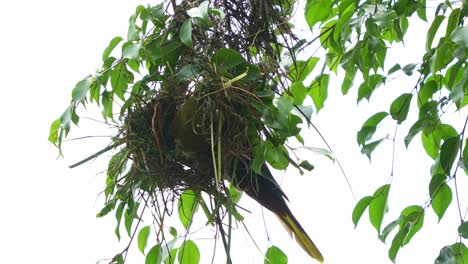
(263, 188)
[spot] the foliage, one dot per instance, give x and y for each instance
(355, 36)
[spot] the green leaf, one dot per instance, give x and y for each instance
(431, 144)
(143, 12)
(226, 59)
(457, 94)
(453, 21)
(235, 194)
(460, 251)
(446, 131)
(65, 119)
(134, 65)
(107, 102)
(113, 43)
(165, 52)
(321, 151)
(422, 10)
(157, 12)
(172, 256)
(436, 182)
(133, 32)
(188, 253)
(369, 127)
(119, 81)
(443, 55)
(173, 231)
(299, 92)
(441, 199)
(317, 11)
(299, 71)
(429, 116)
(319, 91)
(187, 206)
(348, 81)
(117, 259)
(143, 238)
(300, 139)
(186, 33)
(345, 6)
(217, 12)
(275, 255)
(396, 245)
(427, 90)
(117, 164)
(389, 228)
(360, 208)
(436, 169)
(453, 75)
(400, 106)
(304, 111)
(292, 126)
(285, 104)
(369, 85)
(368, 148)
(326, 39)
(464, 162)
(188, 72)
(80, 90)
(276, 156)
(409, 68)
(109, 206)
(460, 36)
(306, 165)
(384, 19)
(449, 152)
(54, 132)
(258, 153)
(129, 216)
(375, 119)
(118, 217)
(154, 255)
(200, 12)
(413, 220)
(414, 130)
(433, 30)
(131, 51)
(395, 68)
(463, 229)
(378, 206)
(446, 256)
(410, 222)
(74, 117)
(167, 251)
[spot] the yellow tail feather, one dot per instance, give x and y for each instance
(298, 233)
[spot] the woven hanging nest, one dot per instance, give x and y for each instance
(256, 29)
(157, 157)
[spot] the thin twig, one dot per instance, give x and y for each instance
(336, 159)
(104, 150)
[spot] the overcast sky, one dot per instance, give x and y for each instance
(48, 210)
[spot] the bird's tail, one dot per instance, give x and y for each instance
(266, 191)
(298, 233)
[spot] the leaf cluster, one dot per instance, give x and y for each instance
(356, 36)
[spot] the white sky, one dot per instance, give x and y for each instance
(48, 211)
